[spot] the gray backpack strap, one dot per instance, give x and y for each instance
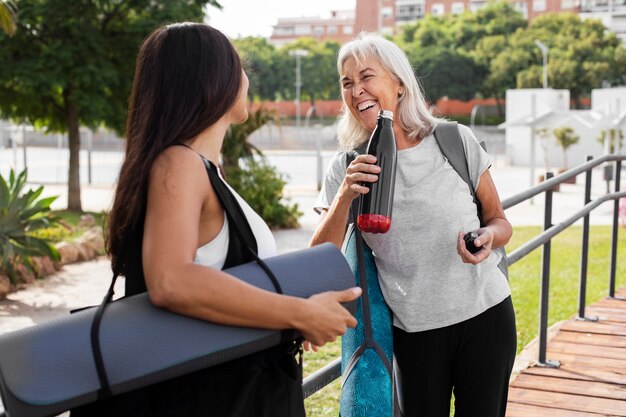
(449, 140)
(451, 145)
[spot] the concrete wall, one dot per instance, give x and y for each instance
(520, 105)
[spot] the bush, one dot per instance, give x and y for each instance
(22, 215)
(262, 187)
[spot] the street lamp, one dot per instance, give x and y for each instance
(544, 52)
(298, 53)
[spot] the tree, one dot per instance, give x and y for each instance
(318, 69)
(446, 72)
(7, 17)
(71, 64)
(258, 56)
(464, 47)
(236, 145)
(565, 137)
(615, 138)
(583, 54)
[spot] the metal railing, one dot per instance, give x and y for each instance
(332, 370)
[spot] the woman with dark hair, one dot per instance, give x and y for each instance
(169, 234)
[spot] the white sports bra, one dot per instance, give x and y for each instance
(213, 253)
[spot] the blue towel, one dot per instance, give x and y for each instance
(367, 389)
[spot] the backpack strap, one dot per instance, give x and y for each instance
(451, 145)
(449, 140)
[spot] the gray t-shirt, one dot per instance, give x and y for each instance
(421, 275)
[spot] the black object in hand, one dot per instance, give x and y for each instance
(469, 241)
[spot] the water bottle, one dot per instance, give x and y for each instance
(375, 206)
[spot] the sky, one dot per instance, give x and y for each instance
(240, 18)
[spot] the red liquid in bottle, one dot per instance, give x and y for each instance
(375, 207)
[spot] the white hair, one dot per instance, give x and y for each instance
(412, 114)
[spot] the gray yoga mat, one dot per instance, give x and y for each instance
(49, 368)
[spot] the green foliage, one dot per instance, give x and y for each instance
(565, 137)
(71, 225)
(272, 71)
(262, 187)
(71, 64)
(7, 17)
(583, 54)
(525, 280)
(255, 180)
(22, 214)
(258, 56)
(455, 54)
(318, 69)
(616, 138)
(446, 72)
(236, 145)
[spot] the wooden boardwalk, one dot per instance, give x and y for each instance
(591, 380)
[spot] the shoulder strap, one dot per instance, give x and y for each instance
(451, 145)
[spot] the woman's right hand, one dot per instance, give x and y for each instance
(326, 318)
(362, 169)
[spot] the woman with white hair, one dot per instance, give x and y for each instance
(453, 318)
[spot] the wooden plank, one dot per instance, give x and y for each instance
(614, 315)
(589, 374)
(610, 303)
(567, 401)
(594, 327)
(591, 339)
(571, 386)
(584, 362)
(528, 410)
(581, 349)
(591, 380)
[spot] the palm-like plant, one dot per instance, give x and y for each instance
(565, 137)
(7, 17)
(236, 145)
(21, 214)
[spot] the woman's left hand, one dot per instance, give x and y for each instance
(483, 241)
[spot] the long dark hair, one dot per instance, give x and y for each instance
(188, 75)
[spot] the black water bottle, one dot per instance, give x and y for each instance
(375, 206)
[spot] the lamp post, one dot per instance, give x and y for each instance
(298, 53)
(544, 51)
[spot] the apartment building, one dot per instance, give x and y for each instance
(386, 16)
(611, 12)
(338, 27)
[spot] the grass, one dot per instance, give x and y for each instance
(71, 227)
(525, 280)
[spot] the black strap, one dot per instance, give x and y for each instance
(105, 387)
(237, 222)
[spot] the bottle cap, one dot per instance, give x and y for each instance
(388, 114)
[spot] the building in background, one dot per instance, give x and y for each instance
(387, 16)
(611, 12)
(338, 27)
